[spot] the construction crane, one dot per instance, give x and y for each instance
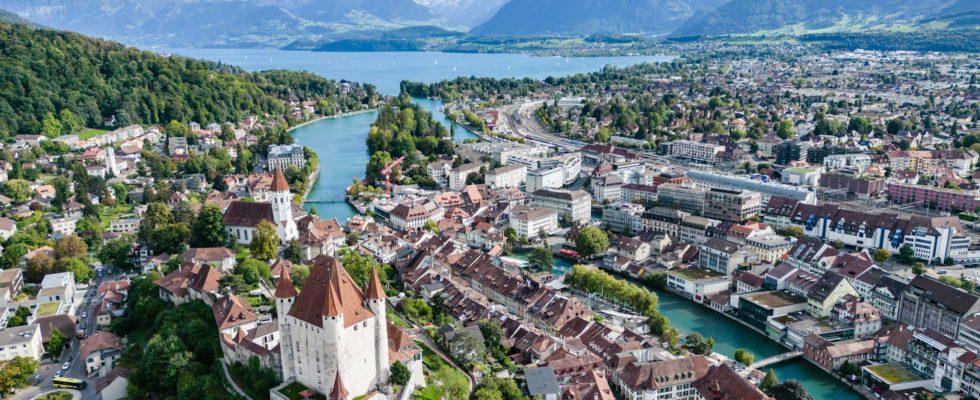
(387, 173)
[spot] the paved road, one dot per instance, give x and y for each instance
(84, 303)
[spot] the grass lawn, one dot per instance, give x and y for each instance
(88, 133)
(61, 395)
(893, 373)
(397, 320)
(427, 393)
(46, 309)
(258, 301)
(695, 274)
(292, 391)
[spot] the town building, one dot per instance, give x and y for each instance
(508, 176)
(704, 153)
(21, 341)
(458, 175)
(686, 197)
(531, 222)
(241, 219)
(545, 178)
(731, 205)
(281, 156)
(932, 304)
(571, 205)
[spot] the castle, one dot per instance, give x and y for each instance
(335, 337)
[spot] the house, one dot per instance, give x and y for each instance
(219, 257)
(720, 255)
(667, 379)
(189, 282)
(722, 382)
(831, 355)
(541, 383)
(100, 353)
(826, 292)
(8, 228)
(633, 248)
(21, 341)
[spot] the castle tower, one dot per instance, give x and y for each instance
(282, 208)
(374, 296)
(285, 296)
(333, 325)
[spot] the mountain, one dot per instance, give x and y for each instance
(222, 23)
(585, 17)
(47, 72)
(9, 17)
(822, 16)
(468, 13)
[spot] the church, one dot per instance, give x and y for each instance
(335, 338)
(242, 217)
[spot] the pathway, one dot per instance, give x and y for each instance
(231, 382)
(421, 335)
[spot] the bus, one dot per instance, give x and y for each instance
(70, 383)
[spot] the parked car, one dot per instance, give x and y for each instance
(66, 365)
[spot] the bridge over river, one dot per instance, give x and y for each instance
(776, 359)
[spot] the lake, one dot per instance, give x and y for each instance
(387, 69)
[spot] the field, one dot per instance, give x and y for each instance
(89, 133)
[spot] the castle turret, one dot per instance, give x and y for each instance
(285, 296)
(282, 208)
(374, 296)
(338, 392)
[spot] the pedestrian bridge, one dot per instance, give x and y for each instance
(776, 359)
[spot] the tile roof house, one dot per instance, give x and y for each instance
(220, 257)
(100, 353)
(189, 282)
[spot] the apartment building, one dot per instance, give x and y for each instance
(686, 197)
(458, 175)
(545, 178)
(508, 176)
(705, 153)
(530, 222)
(731, 205)
(574, 205)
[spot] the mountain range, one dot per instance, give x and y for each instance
(797, 17)
(394, 24)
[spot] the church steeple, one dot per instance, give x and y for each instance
(282, 208)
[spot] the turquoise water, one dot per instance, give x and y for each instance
(688, 317)
(560, 267)
(387, 69)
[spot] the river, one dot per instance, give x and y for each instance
(340, 143)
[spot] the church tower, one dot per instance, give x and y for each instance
(282, 208)
(110, 161)
(374, 296)
(285, 296)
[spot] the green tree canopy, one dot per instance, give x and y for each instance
(208, 230)
(591, 241)
(265, 243)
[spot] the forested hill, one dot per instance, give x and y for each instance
(46, 71)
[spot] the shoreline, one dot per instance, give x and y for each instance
(341, 115)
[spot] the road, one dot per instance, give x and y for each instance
(84, 303)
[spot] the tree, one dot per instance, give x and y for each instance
(591, 241)
(849, 369)
(492, 333)
(169, 238)
(265, 243)
(12, 255)
(696, 344)
(17, 190)
(785, 129)
(790, 390)
(906, 255)
(881, 255)
(39, 266)
(511, 234)
(83, 273)
(542, 258)
(252, 270)
(70, 246)
(919, 268)
(431, 226)
(299, 273)
(293, 252)
(50, 126)
(793, 231)
(744, 356)
(398, 374)
(450, 382)
(487, 394)
(671, 337)
(506, 388)
(769, 382)
(56, 344)
(208, 230)
(17, 372)
(116, 252)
